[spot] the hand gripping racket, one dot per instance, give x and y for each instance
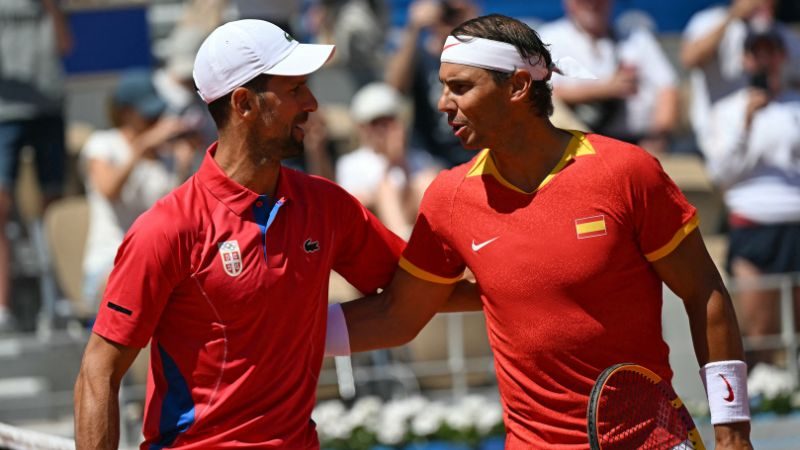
(630, 407)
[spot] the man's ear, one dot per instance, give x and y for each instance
(521, 84)
(243, 102)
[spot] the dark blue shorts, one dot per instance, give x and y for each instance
(771, 248)
(46, 136)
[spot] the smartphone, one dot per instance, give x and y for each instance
(759, 81)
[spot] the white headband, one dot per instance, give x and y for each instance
(504, 57)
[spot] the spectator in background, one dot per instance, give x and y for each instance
(282, 13)
(174, 84)
(635, 98)
(712, 49)
(753, 154)
(414, 70)
(128, 168)
(33, 36)
(358, 29)
(383, 173)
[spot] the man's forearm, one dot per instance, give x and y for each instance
(717, 338)
(715, 332)
(96, 414)
(396, 315)
(371, 324)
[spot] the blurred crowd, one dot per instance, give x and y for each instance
(387, 140)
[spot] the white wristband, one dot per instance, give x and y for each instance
(726, 386)
(337, 340)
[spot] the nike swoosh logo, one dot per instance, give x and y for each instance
(450, 45)
(476, 247)
(730, 396)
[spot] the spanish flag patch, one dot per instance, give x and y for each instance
(589, 227)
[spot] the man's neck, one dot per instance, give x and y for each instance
(245, 166)
(526, 158)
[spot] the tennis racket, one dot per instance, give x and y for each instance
(631, 407)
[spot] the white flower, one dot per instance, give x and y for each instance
(490, 416)
(341, 429)
(391, 433)
(365, 412)
(428, 420)
(795, 400)
(328, 412)
(769, 381)
(459, 418)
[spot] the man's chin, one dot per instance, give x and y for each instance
(471, 146)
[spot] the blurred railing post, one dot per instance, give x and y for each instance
(786, 338)
(788, 330)
(455, 354)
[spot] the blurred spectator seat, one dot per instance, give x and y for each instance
(66, 224)
(689, 173)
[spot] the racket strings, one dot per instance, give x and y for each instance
(636, 413)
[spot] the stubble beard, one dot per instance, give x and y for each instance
(278, 148)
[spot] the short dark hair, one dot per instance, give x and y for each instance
(220, 108)
(507, 29)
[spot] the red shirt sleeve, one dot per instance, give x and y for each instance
(662, 217)
(368, 252)
(428, 254)
(149, 264)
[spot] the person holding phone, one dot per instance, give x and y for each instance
(635, 95)
(752, 153)
(128, 167)
(711, 51)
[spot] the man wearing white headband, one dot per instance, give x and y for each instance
(569, 236)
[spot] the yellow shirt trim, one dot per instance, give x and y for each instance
(677, 239)
(578, 146)
(425, 275)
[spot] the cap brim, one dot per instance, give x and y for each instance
(304, 59)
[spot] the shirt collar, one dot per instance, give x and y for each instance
(235, 196)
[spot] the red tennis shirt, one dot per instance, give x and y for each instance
(564, 274)
(233, 289)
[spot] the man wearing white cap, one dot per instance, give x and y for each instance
(227, 276)
(569, 236)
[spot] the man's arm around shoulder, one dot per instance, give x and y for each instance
(396, 315)
(96, 393)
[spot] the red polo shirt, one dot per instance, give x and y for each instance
(564, 272)
(232, 287)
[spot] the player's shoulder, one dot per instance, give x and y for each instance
(447, 181)
(623, 158)
(177, 214)
(321, 189)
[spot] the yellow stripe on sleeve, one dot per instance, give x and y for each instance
(425, 275)
(677, 239)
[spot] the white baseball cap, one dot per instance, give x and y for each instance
(375, 100)
(239, 51)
